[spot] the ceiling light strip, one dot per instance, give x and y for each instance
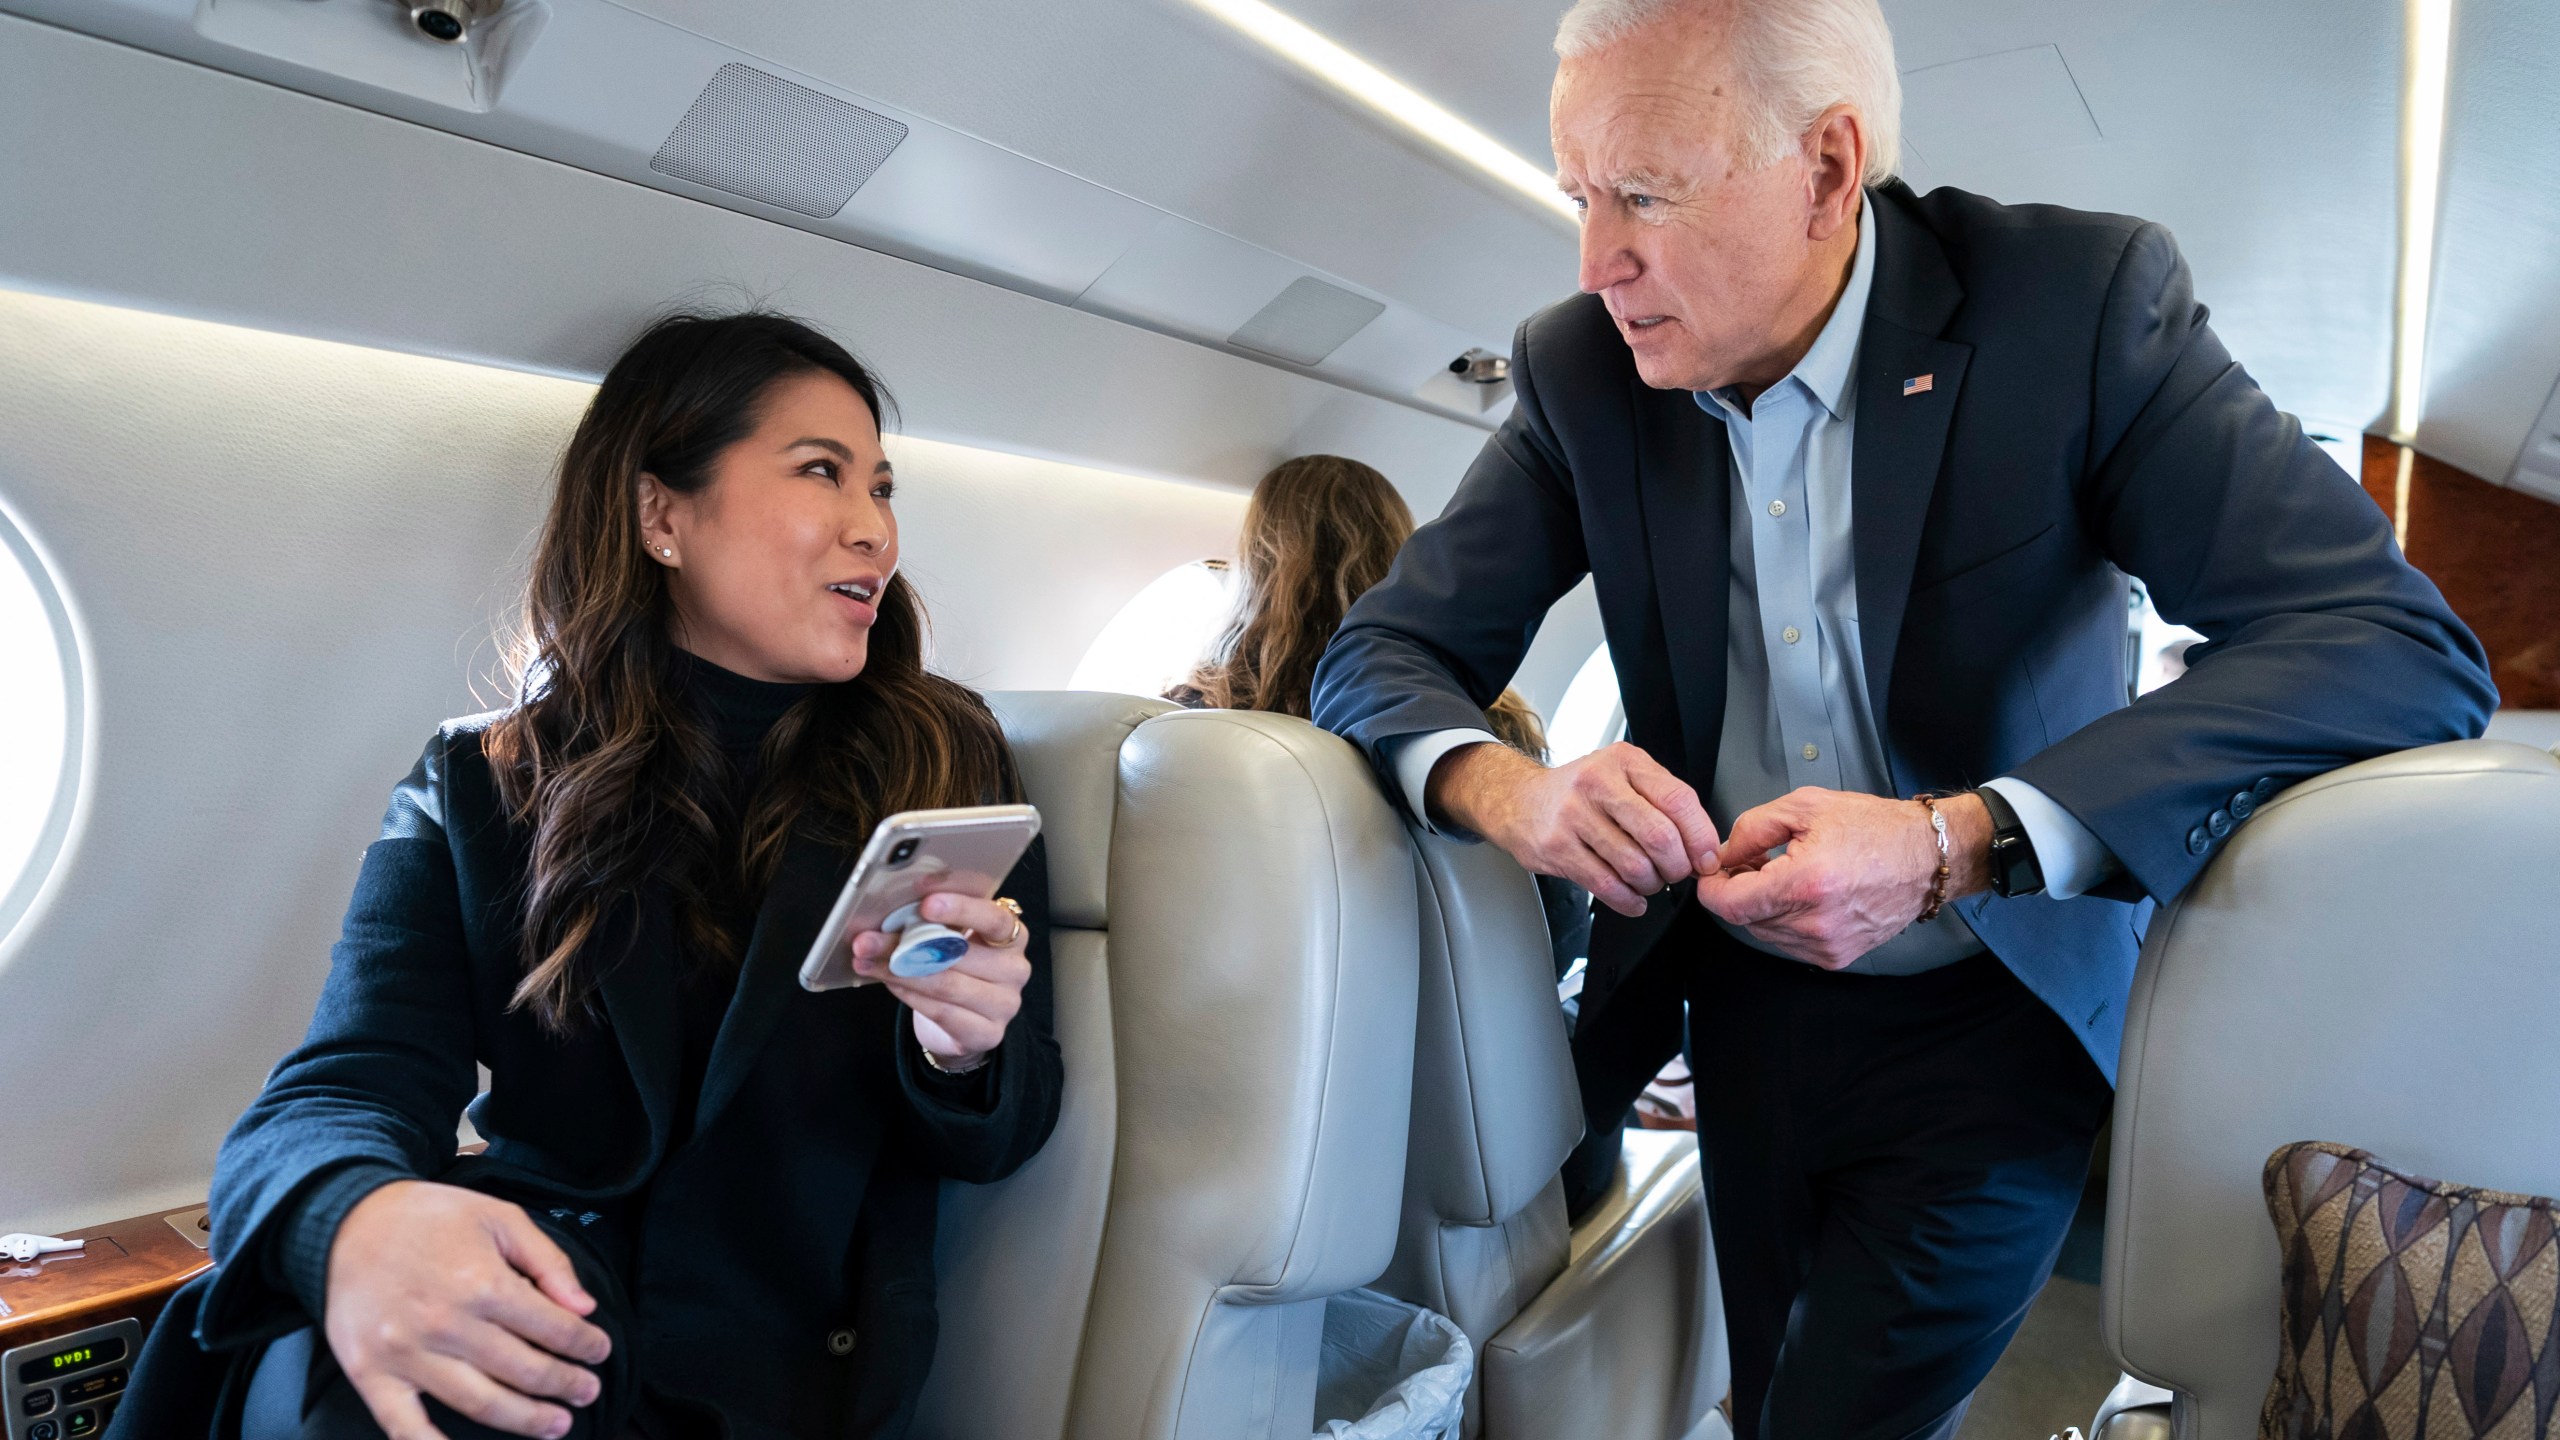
(2428, 60)
(1391, 98)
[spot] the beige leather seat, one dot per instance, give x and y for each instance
(1235, 962)
(2370, 961)
(1612, 1330)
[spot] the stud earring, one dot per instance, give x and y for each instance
(663, 550)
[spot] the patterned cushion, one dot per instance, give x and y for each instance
(2413, 1309)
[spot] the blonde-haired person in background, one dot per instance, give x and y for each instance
(1318, 533)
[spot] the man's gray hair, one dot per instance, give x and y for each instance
(1795, 58)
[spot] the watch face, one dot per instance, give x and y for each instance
(2013, 865)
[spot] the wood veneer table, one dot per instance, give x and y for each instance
(128, 1268)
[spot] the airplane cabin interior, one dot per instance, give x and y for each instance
(304, 310)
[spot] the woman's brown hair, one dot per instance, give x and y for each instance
(1318, 533)
(601, 757)
(1516, 725)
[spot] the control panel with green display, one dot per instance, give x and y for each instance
(67, 1388)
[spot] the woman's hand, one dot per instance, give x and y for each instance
(436, 1290)
(961, 1013)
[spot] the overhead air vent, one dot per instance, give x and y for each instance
(760, 136)
(1306, 322)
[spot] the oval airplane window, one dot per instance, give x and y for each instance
(1161, 633)
(1589, 716)
(39, 724)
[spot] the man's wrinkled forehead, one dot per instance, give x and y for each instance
(1660, 93)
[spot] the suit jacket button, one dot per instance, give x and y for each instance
(2243, 805)
(2266, 787)
(840, 1341)
(2197, 844)
(2219, 822)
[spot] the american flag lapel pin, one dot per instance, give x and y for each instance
(1919, 384)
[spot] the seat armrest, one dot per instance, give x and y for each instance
(1638, 1299)
(2142, 1422)
(2134, 1410)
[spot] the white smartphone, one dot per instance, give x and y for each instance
(913, 854)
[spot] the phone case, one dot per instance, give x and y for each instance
(967, 850)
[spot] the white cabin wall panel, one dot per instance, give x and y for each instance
(1425, 474)
(292, 558)
(172, 187)
(1383, 356)
(1021, 562)
(1182, 276)
(603, 88)
(1159, 101)
(2262, 135)
(288, 557)
(2493, 349)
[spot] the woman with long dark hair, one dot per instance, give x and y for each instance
(707, 1199)
(1319, 531)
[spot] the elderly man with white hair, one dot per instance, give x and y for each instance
(1858, 475)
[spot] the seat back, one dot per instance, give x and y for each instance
(2368, 961)
(1236, 926)
(1016, 1259)
(1494, 1098)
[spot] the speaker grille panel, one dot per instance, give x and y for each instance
(1306, 322)
(762, 137)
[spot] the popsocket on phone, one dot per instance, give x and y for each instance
(924, 948)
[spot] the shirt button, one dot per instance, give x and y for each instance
(2219, 822)
(2197, 841)
(1791, 634)
(1777, 507)
(840, 1341)
(1810, 753)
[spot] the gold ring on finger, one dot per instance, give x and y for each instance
(1014, 908)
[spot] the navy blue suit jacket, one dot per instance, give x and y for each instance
(2083, 423)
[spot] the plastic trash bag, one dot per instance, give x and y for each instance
(1390, 1371)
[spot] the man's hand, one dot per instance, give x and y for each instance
(1856, 873)
(1613, 822)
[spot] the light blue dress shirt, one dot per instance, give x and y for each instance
(1797, 710)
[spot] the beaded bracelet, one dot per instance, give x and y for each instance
(1937, 887)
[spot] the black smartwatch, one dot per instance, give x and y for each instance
(2014, 871)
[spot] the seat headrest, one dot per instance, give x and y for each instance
(1067, 743)
(2368, 961)
(1494, 1098)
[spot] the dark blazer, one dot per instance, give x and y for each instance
(801, 1204)
(2082, 423)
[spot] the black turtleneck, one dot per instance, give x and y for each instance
(739, 712)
